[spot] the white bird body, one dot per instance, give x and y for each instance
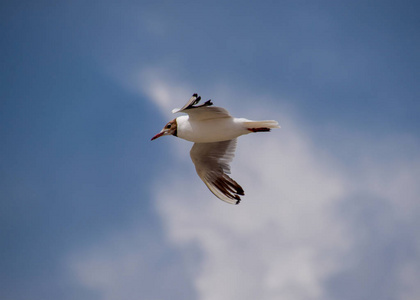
(213, 131)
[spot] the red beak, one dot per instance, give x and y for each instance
(157, 135)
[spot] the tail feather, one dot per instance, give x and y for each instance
(262, 124)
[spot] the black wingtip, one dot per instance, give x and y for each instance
(197, 100)
(208, 103)
(239, 191)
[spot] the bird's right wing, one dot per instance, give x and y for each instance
(203, 111)
(211, 162)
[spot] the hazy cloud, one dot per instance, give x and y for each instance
(290, 235)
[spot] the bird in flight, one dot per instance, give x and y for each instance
(214, 132)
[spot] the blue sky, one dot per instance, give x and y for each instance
(91, 209)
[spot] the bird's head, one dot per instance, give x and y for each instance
(170, 128)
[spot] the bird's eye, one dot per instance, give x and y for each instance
(168, 126)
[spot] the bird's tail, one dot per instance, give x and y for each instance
(257, 126)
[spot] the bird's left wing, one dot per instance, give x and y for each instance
(211, 162)
(203, 111)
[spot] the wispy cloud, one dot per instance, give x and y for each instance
(165, 91)
(131, 264)
(289, 236)
(282, 241)
(306, 229)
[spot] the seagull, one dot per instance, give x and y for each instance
(214, 133)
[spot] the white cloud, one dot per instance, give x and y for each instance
(131, 264)
(286, 239)
(281, 241)
(154, 83)
(289, 238)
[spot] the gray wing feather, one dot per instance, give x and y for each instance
(211, 162)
